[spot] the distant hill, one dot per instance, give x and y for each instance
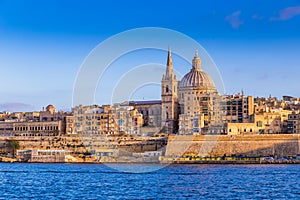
(16, 107)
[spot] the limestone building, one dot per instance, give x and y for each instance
(239, 108)
(151, 111)
(92, 119)
(38, 128)
(169, 98)
(192, 105)
(105, 119)
(128, 119)
(44, 123)
(293, 123)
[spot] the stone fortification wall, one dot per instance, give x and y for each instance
(240, 145)
(72, 144)
(81, 144)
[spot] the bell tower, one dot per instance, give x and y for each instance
(169, 98)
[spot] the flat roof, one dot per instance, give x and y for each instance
(145, 102)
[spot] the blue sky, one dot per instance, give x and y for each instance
(255, 44)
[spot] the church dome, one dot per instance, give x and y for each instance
(197, 78)
(50, 108)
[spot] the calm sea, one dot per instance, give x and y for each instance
(91, 181)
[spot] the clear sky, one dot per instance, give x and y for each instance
(255, 44)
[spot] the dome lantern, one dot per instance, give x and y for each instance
(197, 62)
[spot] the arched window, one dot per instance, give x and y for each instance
(167, 88)
(167, 114)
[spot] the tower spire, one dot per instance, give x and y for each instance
(169, 63)
(169, 98)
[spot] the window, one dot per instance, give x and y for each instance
(167, 88)
(259, 123)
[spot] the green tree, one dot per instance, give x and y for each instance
(14, 145)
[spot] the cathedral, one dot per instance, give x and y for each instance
(191, 105)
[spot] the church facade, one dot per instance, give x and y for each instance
(191, 105)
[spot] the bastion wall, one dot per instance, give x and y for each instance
(239, 145)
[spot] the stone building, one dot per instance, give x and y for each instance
(70, 125)
(238, 108)
(44, 123)
(241, 128)
(151, 111)
(51, 115)
(4, 115)
(92, 119)
(191, 106)
(6, 128)
(169, 98)
(128, 119)
(38, 128)
(105, 120)
(272, 122)
(293, 123)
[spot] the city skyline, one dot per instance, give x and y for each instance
(42, 52)
(152, 99)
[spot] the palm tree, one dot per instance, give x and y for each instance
(14, 145)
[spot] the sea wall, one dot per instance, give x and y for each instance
(77, 144)
(240, 145)
(73, 144)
